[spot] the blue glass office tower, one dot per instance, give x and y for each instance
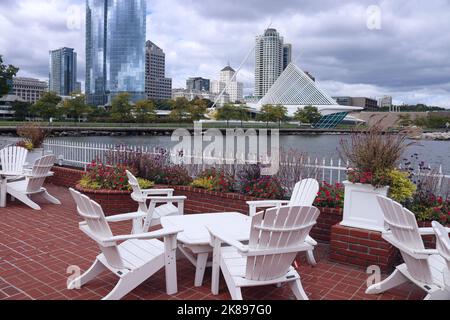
(115, 49)
(63, 71)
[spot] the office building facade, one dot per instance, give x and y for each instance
(363, 102)
(157, 86)
(28, 89)
(272, 57)
(63, 71)
(227, 83)
(198, 84)
(115, 49)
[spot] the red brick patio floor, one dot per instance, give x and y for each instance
(37, 247)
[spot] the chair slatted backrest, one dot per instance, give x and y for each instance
(442, 242)
(404, 231)
(137, 194)
(39, 173)
(305, 192)
(279, 228)
(93, 215)
(13, 159)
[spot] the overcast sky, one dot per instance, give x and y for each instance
(405, 53)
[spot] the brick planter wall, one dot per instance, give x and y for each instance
(327, 219)
(65, 177)
(198, 201)
(362, 248)
(203, 201)
(113, 202)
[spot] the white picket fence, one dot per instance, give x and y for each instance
(81, 154)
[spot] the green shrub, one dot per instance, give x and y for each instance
(401, 187)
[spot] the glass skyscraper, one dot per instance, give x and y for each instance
(115, 49)
(63, 71)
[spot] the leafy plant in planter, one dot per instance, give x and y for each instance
(214, 180)
(253, 184)
(103, 177)
(33, 135)
(330, 196)
(373, 156)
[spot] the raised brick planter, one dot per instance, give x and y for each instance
(362, 248)
(65, 177)
(198, 201)
(113, 202)
(327, 219)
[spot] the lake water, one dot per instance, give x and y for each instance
(434, 153)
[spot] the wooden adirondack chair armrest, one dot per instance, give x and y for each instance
(429, 231)
(254, 205)
(417, 254)
(163, 233)
(157, 192)
(263, 252)
(126, 217)
(226, 238)
(158, 200)
(267, 203)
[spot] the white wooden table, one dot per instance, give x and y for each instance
(194, 241)
(3, 182)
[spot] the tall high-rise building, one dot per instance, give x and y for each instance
(272, 57)
(287, 55)
(157, 86)
(63, 71)
(198, 83)
(234, 89)
(28, 89)
(115, 49)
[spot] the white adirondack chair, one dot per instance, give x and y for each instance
(136, 259)
(33, 184)
(304, 194)
(423, 267)
(276, 237)
(13, 159)
(443, 246)
(161, 205)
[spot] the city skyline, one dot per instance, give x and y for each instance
(408, 58)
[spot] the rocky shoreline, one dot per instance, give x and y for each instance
(436, 136)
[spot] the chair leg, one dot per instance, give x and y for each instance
(297, 289)
(311, 258)
(50, 198)
(171, 267)
(25, 199)
(236, 293)
(394, 280)
(121, 289)
(96, 269)
(202, 260)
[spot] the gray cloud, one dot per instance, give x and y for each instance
(409, 57)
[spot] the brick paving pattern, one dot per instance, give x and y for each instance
(37, 247)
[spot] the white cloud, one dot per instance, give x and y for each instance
(408, 58)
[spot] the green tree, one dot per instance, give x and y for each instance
(308, 114)
(242, 114)
(121, 108)
(76, 107)
(144, 111)
(7, 72)
(21, 110)
(197, 109)
(47, 106)
(179, 111)
(98, 114)
(271, 113)
(226, 113)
